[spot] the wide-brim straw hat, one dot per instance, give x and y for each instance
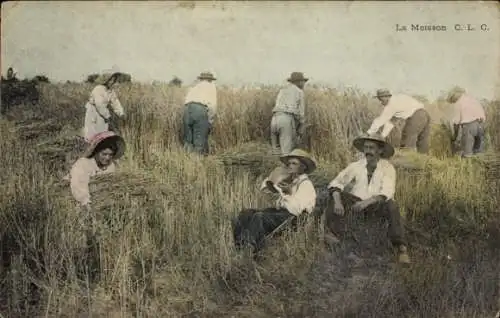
(303, 156)
(383, 93)
(103, 78)
(206, 76)
(297, 77)
(388, 150)
(454, 94)
(105, 136)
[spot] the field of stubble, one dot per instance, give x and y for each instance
(164, 244)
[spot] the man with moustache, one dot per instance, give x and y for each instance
(373, 181)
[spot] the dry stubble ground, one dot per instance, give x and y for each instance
(164, 248)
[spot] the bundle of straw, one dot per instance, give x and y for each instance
(62, 149)
(114, 191)
(35, 129)
(253, 157)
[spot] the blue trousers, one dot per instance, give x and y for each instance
(472, 141)
(196, 128)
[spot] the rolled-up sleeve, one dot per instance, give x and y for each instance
(79, 182)
(383, 119)
(343, 178)
(388, 186)
(304, 200)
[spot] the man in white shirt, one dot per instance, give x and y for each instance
(415, 134)
(373, 181)
(297, 199)
(468, 117)
(288, 121)
(200, 108)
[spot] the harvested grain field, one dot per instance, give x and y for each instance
(162, 242)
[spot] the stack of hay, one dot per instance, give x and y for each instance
(412, 163)
(252, 157)
(108, 190)
(62, 149)
(28, 130)
(119, 198)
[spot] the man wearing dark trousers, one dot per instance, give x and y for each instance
(416, 131)
(373, 181)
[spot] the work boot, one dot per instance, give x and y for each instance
(403, 255)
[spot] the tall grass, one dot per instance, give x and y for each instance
(172, 255)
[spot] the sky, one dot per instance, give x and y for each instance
(340, 44)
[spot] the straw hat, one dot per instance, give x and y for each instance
(297, 77)
(303, 156)
(454, 94)
(383, 93)
(388, 150)
(206, 76)
(105, 136)
(103, 78)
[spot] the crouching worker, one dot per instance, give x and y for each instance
(297, 199)
(373, 181)
(97, 159)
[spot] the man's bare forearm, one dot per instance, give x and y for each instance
(336, 197)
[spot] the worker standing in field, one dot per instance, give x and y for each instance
(416, 131)
(200, 109)
(97, 115)
(103, 149)
(297, 199)
(288, 121)
(373, 181)
(468, 118)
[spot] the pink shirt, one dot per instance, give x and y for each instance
(467, 109)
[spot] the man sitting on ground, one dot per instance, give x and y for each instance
(297, 198)
(374, 180)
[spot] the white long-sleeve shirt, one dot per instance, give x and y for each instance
(302, 197)
(81, 172)
(467, 109)
(291, 100)
(399, 106)
(97, 110)
(383, 181)
(204, 93)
